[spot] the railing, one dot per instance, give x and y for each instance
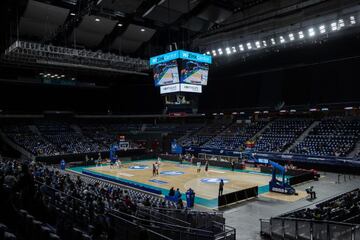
(305, 229)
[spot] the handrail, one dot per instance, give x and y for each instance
(163, 215)
(165, 224)
(316, 221)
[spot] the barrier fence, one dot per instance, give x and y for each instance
(305, 229)
(237, 196)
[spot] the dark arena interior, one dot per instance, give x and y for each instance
(179, 119)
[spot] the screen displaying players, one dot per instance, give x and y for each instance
(166, 73)
(194, 72)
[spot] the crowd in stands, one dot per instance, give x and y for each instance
(281, 134)
(56, 199)
(235, 136)
(332, 137)
(343, 208)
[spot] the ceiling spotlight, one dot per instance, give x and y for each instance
(120, 25)
(352, 20)
(143, 29)
(282, 39)
(72, 14)
(63, 75)
(97, 19)
(322, 29)
(291, 36)
(228, 51)
(311, 32)
(341, 23)
(301, 34)
(333, 26)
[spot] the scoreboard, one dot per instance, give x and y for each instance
(180, 71)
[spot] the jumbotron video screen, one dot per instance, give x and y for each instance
(166, 73)
(193, 72)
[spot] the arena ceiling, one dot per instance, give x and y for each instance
(124, 26)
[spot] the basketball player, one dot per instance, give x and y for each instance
(154, 170)
(198, 165)
(206, 166)
(221, 187)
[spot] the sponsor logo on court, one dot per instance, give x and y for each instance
(138, 167)
(157, 181)
(172, 173)
(214, 180)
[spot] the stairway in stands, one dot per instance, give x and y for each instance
(355, 151)
(302, 136)
(261, 131)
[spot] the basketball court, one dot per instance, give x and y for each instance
(185, 176)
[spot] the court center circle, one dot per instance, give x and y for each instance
(139, 167)
(172, 173)
(214, 180)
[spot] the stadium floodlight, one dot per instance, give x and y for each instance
(213, 52)
(221, 114)
(312, 109)
(291, 37)
(325, 109)
(214, 114)
(97, 19)
(283, 111)
(249, 46)
(120, 25)
(62, 75)
(234, 113)
(341, 23)
(272, 41)
(72, 14)
(282, 39)
(41, 74)
(241, 47)
(233, 49)
(352, 20)
(348, 108)
(264, 43)
(220, 51)
(228, 51)
(322, 29)
(334, 26)
(143, 29)
(292, 110)
(311, 32)
(301, 34)
(257, 112)
(257, 44)
(266, 112)
(242, 113)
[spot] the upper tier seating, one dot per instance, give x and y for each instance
(235, 136)
(332, 137)
(280, 134)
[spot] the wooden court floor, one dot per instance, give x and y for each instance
(184, 176)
